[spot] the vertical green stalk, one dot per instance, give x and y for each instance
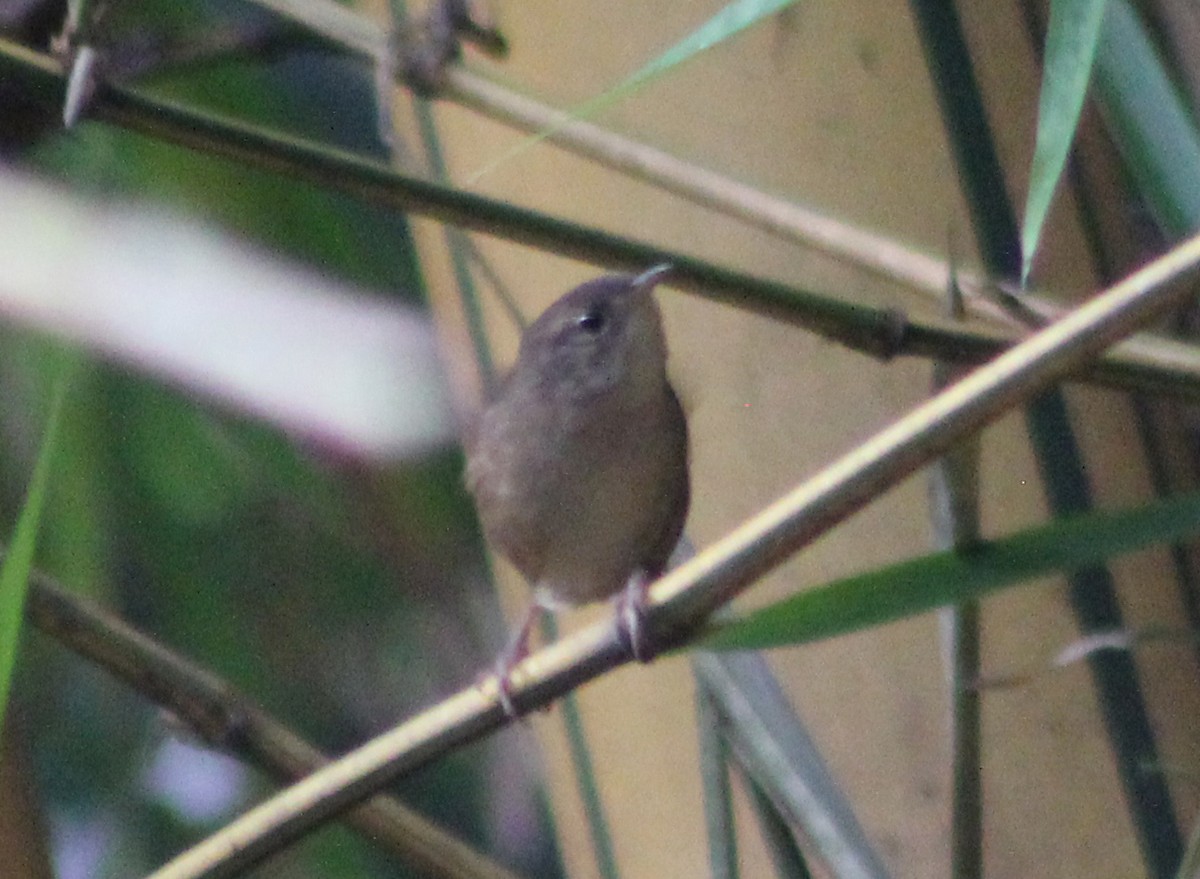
(1093, 594)
(961, 630)
(585, 776)
(714, 780)
(954, 509)
(458, 244)
(18, 561)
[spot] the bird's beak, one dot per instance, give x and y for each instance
(647, 279)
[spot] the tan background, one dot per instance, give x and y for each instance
(830, 105)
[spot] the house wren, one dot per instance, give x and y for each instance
(579, 467)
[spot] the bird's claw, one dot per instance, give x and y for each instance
(504, 693)
(631, 619)
(515, 651)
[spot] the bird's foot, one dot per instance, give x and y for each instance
(504, 688)
(631, 618)
(511, 656)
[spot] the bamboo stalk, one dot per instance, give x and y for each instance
(954, 511)
(876, 254)
(209, 707)
(682, 600)
(1161, 368)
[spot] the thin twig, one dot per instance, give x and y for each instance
(340, 25)
(683, 599)
(1084, 648)
(217, 714)
(881, 256)
(954, 509)
(882, 333)
(877, 254)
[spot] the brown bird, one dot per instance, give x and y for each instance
(579, 468)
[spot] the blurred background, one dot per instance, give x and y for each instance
(342, 594)
(338, 593)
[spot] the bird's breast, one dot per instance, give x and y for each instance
(574, 502)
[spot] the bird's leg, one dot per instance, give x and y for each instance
(515, 651)
(631, 617)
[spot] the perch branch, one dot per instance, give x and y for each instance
(214, 711)
(681, 601)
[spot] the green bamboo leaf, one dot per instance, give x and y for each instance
(921, 584)
(18, 561)
(729, 21)
(1149, 119)
(1071, 40)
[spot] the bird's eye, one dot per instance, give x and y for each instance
(591, 321)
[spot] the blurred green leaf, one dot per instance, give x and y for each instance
(313, 580)
(730, 21)
(922, 584)
(1071, 40)
(1151, 123)
(14, 572)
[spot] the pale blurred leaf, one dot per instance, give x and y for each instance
(1071, 40)
(183, 302)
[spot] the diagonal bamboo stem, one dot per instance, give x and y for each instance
(877, 254)
(682, 600)
(220, 716)
(1162, 367)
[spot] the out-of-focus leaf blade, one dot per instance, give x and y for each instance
(716, 788)
(772, 745)
(1071, 40)
(182, 302)
(730, 21)
(1149, 120)
(14, 572)
(921, 584)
